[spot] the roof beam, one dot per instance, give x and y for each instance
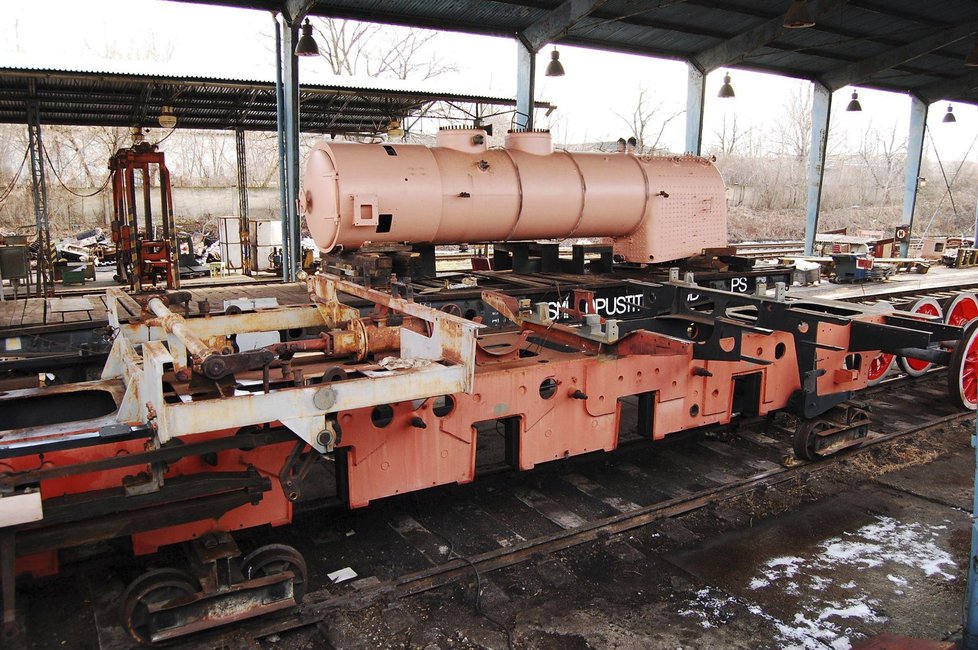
(139, 109)
(295, 10)
(862, 70)
(557, 23)
(948, 88)
(734, 50)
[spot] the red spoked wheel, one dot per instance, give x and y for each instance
(925, 307)
(880, 365)
(962, 310)
(962, 378)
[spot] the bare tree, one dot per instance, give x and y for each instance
(883, 155)
(355, 48)
(795, 126)
(342, 43)
(729, 136)
(80, 154)
(140, 45)
(646, 117)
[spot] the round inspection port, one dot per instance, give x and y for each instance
(694, 410)
(443, 405)
(382, 415)
(548, 388)
(779, 350)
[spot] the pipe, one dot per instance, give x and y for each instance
(940, 357)
(176, 325)
(280, 128)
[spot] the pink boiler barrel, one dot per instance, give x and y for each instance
(462, 191)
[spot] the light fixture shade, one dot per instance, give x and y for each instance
(726, 90)
(307, 44)
(972, 59)
(949, 116)
(167, 119)
(798, 16)
(555, 68)
(854, 106)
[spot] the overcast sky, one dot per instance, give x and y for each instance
(137, 35)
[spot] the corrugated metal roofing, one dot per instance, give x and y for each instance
(114, 98)
(728, 33)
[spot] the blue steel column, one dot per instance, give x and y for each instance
(695, 99)
(821, 109)
(915, 152)
(290, 92)
(971, 626)
(525, 72)
(283, 188)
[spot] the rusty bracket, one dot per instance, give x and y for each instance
(222, 365)
(592, 332)
(204, 610)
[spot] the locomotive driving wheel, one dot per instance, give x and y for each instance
(962, 310)
(962, 376)
(880, 365)
(927, 307)
(156, 586)
(274, 559)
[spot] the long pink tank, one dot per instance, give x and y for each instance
(655, 209)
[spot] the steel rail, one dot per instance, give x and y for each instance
(908, 292)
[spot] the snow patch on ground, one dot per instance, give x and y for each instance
(711, 607)
(824, 617)
(903, 548)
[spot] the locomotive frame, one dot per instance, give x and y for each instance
(185, 439)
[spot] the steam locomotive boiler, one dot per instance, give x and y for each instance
(190, 435)
(652, 208)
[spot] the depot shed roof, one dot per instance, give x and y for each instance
(112, 98)
(897, 45)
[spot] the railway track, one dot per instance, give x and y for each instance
(906, 297)
(406, 546)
